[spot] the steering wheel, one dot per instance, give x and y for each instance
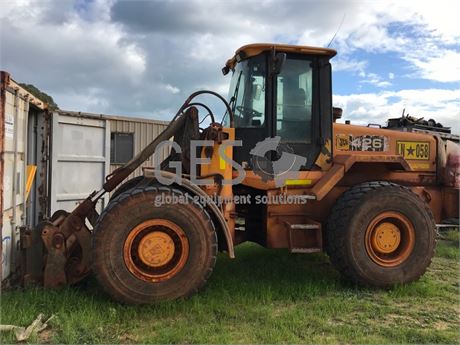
(248, 113)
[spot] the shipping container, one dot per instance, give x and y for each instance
(53, 160)
(21, 118)
(127, 136)
(86, 147)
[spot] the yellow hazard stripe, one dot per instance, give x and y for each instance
(301, 182)
(31, 170)
(222, 163)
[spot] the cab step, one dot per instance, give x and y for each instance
(305, 237)
(305, 250)
(305, 226)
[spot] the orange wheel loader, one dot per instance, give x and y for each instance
(278, 171)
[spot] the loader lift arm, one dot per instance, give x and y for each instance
(65, 236)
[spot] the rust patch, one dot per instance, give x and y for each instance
(4, 79)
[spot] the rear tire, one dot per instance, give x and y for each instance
(380, 234)
(144, 252)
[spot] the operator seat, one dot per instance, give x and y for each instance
(295, 116)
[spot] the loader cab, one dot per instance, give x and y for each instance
(285, 91)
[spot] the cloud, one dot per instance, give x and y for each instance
(70, 54)
(144, 57)
(172, 89)
(425, 35)
(352, 65)
(91, 98)
(374, 79)
(439, 104)
(442, 65)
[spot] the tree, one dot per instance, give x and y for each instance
(42, 95)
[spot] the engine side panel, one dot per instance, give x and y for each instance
(418, 150)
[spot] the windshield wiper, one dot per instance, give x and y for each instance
(235, 94)
(232, 102)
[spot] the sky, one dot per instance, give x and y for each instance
(143, 58)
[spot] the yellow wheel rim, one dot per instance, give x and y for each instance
(386, 238)
(156, 250)
(390, 239)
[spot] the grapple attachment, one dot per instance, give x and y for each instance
(66, 246)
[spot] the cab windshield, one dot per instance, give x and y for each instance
(247, 93)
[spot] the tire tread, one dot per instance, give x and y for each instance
(99, 268)
(337, 223)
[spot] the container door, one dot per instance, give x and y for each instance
(16, 109)
(80, 160)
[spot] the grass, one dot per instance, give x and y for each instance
(263, 296)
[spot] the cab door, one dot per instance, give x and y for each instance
(302, 111)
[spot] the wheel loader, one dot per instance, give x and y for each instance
(278, 170)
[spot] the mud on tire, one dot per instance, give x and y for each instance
(134, 280)
(375, 254)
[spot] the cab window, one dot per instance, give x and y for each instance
(247, 93)
(294, 101)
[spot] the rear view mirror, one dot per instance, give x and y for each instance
(278, 62)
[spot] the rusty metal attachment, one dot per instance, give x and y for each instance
(67, 241)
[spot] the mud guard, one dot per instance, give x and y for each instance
(211, 206)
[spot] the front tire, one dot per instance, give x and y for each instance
(145, 252)
(380, 234)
